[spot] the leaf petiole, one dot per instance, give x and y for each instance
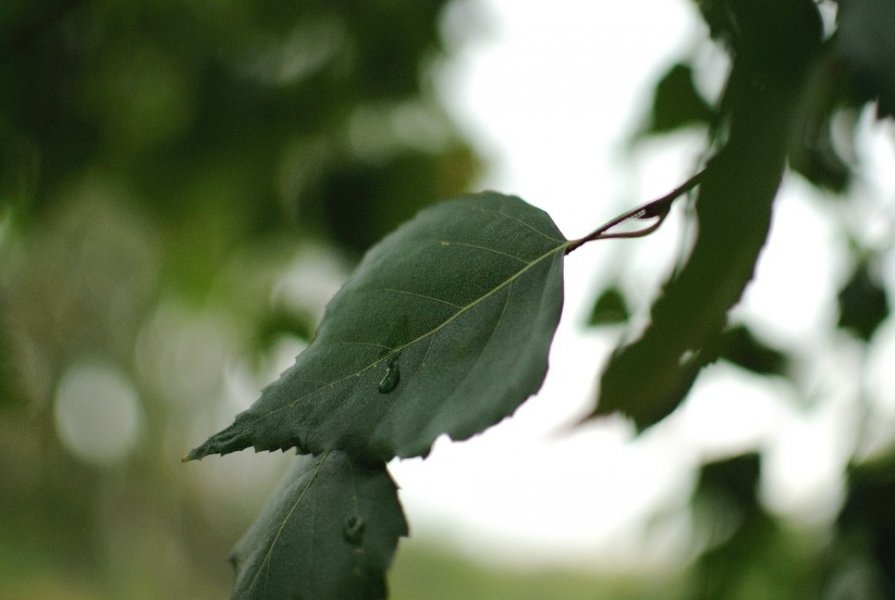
(656, 209)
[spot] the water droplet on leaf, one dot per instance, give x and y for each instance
(391, 378)
(354, 529)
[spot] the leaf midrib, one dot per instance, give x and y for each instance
(423, 336)
(265, 564)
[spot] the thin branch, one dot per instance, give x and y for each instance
(656, 209)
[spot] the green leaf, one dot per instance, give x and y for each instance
(736, 477)
(867, 522)
(863, 303)
(866, 45)
(719, 19)
(816, 158)
(609, 309)
(328, 531)
(747, 553)
(361, 205)
(820, 150)
(739, 346)
(648, 378)
(445, 327)
(677, 103)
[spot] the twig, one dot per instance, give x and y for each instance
(656, 209)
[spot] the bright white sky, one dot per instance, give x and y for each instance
(550, 93)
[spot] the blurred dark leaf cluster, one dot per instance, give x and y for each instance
(791, 105)
(863, 303)
(168, 172)
(747, 552)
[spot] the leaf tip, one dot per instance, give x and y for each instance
(194, 454)
(232, 439)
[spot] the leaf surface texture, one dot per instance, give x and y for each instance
(328, 531)
(445, 327)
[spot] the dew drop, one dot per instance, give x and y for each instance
(354, 529)
(391, 378)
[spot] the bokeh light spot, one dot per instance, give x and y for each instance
(97, 413)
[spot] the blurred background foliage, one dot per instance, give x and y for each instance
(182, 188)
(742, 548)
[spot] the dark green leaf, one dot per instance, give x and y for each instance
(863, 303)
(650, 377)
(735, 477)
(866, 524)
(719, 19)
(609, 309)
(677, 103)
(747, 552)
(866, 45)
(445, 327)
(361, 205)
(328, 531)
(813, 152)
(817, 160)
(740, 347)
(771, 35)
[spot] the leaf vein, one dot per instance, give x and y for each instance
(478, 247)
(353, 343)
(427, 297)
(265, 564)
(434, 330)
(521, 222)
(503, 311)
